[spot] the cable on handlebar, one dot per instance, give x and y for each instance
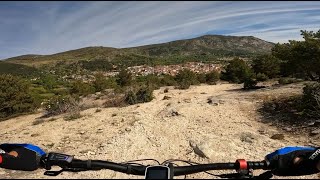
(128, 162)
(190, 163)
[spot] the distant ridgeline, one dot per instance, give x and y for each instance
(208, 48)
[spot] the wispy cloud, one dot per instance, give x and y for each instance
(51, 27)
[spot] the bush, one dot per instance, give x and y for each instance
(236, 71)
(124, 78)
(152, 81)
(262, 77)
(183, 85)
(185, 78)
(62, 104)
(15, 97)
(250, 82)
(144, 94)
(311, 99)
(80, 88)
(168, 80)
(212, 77)
(202, 78)
(131, 97)
(100, 83)
(48, 81)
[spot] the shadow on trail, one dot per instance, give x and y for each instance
(284, 113)
(242, 90)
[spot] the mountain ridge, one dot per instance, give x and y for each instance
(208, 45)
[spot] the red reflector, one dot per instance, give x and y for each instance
(0, 159)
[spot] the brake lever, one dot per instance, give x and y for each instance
(53, 173)
(56, 173)
(240, 174)
(265, 175)
(235, 176)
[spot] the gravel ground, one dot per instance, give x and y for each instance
(220, 120)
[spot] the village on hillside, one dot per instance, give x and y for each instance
(144, 70)
(172, 70)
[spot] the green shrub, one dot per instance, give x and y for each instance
(212, 77)
(185, 78)
(262, 77)
(151, 81)
(250, 83)
(15, 96)
(168, 80)
(100, 83)
(48, 81)
(131, 97)
(183, 85)
(311, 99)
(80, 88)
(124, 78)
(202, 77)
(144, 94)
(236, 71)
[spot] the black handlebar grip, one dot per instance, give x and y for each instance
(257, 165)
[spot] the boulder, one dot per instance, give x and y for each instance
(247, 137)
(200, 149)
(315, 132)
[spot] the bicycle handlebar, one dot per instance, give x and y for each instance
(68, 163)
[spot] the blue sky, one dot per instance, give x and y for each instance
(51, 27)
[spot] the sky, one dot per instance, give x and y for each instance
(52, 27)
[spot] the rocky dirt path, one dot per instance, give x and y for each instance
(219, 120)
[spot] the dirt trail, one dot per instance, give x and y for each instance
(229, 128)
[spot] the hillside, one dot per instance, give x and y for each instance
(18, 69)
(208, 44)
(200, 48)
